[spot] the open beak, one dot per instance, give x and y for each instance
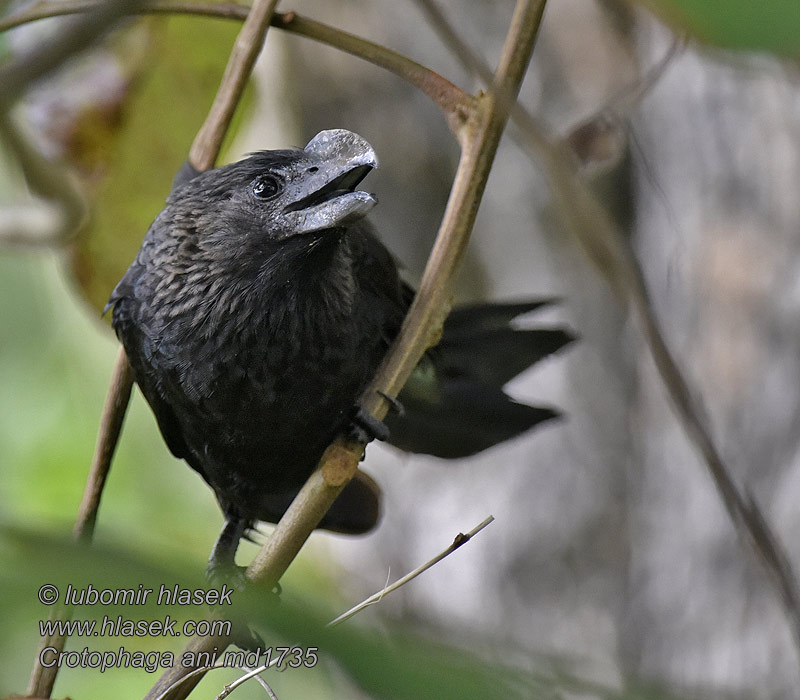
(337, 161)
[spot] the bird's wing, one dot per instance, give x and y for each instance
(139, 349)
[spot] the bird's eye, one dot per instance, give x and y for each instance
(267, 186)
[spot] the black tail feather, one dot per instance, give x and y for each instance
(464, 321)
(469, 418)
(454, 403)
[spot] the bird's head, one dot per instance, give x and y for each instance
(273, 196)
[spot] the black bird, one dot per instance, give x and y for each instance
(258, 309)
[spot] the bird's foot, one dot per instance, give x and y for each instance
(219, 573)
(242, 634)
(365, 427)
(234, 576)
(394, 403)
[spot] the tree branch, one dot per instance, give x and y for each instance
(600, 239)
(479, 136)
(21, 72)
(119, 394)
(46, 182)
(208, 142)
(453, 101)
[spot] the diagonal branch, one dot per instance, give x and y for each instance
(460, 539)
(208, 142)
(479, 137)
(119, 395)
(591, 227)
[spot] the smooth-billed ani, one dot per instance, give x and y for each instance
(258, 309)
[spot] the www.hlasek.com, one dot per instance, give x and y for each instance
(123, 627)
(150, 661)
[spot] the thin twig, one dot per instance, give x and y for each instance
(42, 679)
(45, 181)
(119, 394)
(60, 8)
(18, 74)
(459, 540)
(252, 673)
(605, 125)
(198, 672)
(454, 102)
(208, 142)
(589, 223)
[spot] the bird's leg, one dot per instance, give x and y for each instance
(222, 569)
(222, 562)
(365, 427)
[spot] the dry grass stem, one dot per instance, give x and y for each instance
(459, 540)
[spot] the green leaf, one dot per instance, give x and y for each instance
(772, 26)
(388, 663)
(159, 117)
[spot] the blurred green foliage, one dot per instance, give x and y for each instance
(772, 26)
(156, 524)
(162, 111)
(390, 664)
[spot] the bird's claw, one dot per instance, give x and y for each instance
(242, 634)
(394, 403)
(218, 573)
(365, 427)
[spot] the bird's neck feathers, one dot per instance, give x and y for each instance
(311, 277)
(296, 288)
